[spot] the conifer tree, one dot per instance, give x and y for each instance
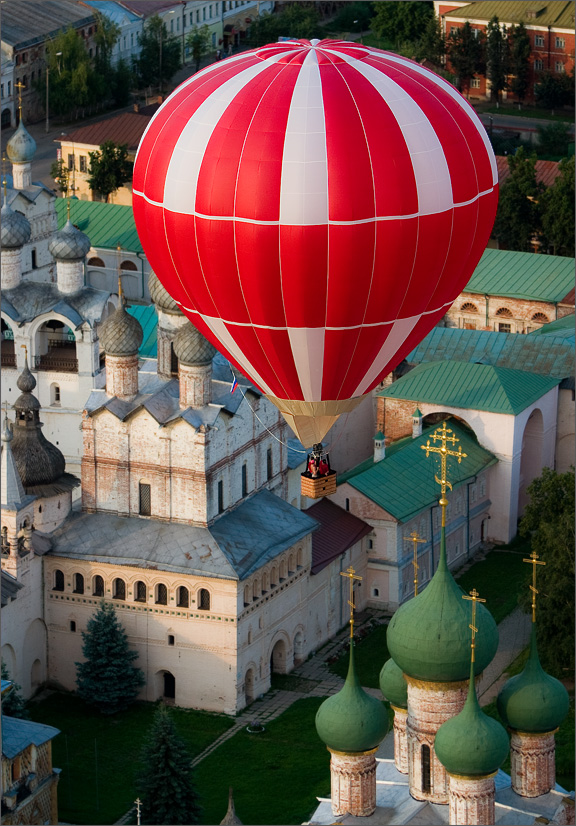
(497, 57)
(518, 215)
(520, 66)
(107, 680)
(13, 703)
(558, 214)
(165, 782)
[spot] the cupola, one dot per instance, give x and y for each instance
(161, 297)
(171, 319)
(379, 447)
(15, 232)
(194, 354)
(121, 336)
(21, 149)
(69, 248)
(416, 423)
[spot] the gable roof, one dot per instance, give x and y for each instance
(546, 171)
(471, 386)
(552, 355)
(126, 128)
(523, 275)
(24, 24)
(403, 482)
(547, 13)
(107, 225)
(114, 11)
(18, 734)
(339, 531)
(233, 547)
(147, 8)
(31, 299)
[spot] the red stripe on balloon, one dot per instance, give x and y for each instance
(304, 264)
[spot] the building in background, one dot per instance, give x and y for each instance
(128, 44)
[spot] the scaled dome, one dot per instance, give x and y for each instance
(161, 297)
(121, 334)
(393, 685)
(69, 244)
(191, 348)
(533, 701)
(352, 721)
(16, 230)
(21, 147)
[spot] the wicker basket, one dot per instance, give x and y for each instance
(321, 486)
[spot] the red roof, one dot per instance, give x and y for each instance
(127, 128)
(546, 171)
(339, 530)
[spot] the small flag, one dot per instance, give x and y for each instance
(234, 384)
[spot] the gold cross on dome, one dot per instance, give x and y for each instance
(351, 574)
(416, 540)
(534, 561)
(474, 596)
(442, 435)
(19, 86)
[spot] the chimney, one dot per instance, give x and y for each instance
(416, 424)
(379, 447)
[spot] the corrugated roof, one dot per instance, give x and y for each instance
(562, 328)
(339, 531)
(148, 319)
(471, 386)
(113, 10)
(546, 171)
(18, 734)
(522, 275)
(147, 8)
(546, 12)
(24, 24)
(126, 128)
(549, 356)
(106, 225)
(403, 483)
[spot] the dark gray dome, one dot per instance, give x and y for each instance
(16, 228)
(70, 244)
(192, 348)
(21, 147)
(26, 381)
(161, 297)
(121, 334)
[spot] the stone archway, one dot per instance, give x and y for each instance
(249, 686)
(278, 658)
(36, 676)
(531, 457)
(169, 686)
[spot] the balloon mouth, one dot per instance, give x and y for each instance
(311, 421)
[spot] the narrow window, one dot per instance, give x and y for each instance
(119, 589)
(98, 586)
(34, 261)
(58, 581)
(144, 495)
(71, 163)
(72, 625)
(56, 394)
(269, 463)
(170, 639)
(140, 591)
(183, 597)
(347, 504)
(83, 163)
(220, 496)
(425, 757)
(161, 594)
(204, 600)
(375, 592)
(78, 584)
(244, 480)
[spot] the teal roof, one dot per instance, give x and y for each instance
(549, 355)
(107, 225)
(555, 13)
(471, 386)
(393, 684)
(148, 319)
(562, 328)
(523, 275)
(403, 483)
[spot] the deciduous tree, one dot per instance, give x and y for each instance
(518, 215)
(199, 42)
(13, 703)
(107, 679)
(160, 54)
(401, 22)
(108, 169)
(165, 781)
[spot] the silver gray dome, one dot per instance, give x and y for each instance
(16, 228)
(21, 147)
(121, 334)
(69, 244)
(161, 297)
(192, 348)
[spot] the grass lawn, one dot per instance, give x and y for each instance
(370, 655)
(498, 579)
(99, 755)
(276, 775)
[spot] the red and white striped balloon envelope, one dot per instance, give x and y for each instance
(315, 208)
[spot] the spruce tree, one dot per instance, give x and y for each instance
(107, 680)
(165, 781)
(518, 216)
(13, 703)
(497, 57)
(520, 66)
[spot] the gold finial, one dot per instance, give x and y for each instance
(4, 182)
(68, 209)
(120, 294)
(25, 351)
(475, 598)
(350, 574)
(19, 86)
(534, 561)
(138, 803)
(442, 436)
(415, 539)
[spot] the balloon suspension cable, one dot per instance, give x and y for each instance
(304, 452)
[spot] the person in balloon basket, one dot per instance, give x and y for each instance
(313, 467)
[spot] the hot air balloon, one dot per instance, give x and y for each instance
(314, 207)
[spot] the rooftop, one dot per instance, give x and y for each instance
(114, 11)
(547, 355)
(403, 482)
(18, 734)
(126, 128)
(107, 225)
(546, 171)
(24, 24)
(545, 13)
(471, 386)
(339, 531)
(148, 318)
(523, 275)
(31, 299)
(10, 587)
(233, 547)
(146, 8)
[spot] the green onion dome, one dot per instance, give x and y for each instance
(393, 685)
(21, 147)
(428, 636)
(352, 721)
(471, 744)
(533, 701)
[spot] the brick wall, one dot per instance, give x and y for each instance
(471, 801)
(395, 418)
(353, 783)
(525, 315)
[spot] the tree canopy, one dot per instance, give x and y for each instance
(520, 67)
(199, 42)
(466, 51)
(160, 54)
(107, 679)
(518, 215)
(497, 57)
(549, 522)
(558, 215)
(552, 91)
(165, 780)
(108, 169)
(13, 703)
(401, 22)
(432, 44)
(299, 20)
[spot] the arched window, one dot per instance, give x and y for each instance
(425, 758)
(300, 558)
(161, 594)
(273, 577)
(468, 307)
(204, 600)
(78, 584)
(540, 318)
(55, 395)
(291, 567)
(119, 589)
(183, 597)
(140, 591)
(58, 581)
(246, 595)
(129, 266)
(98, 586)
(283, 570)
(256, 589)
(503, 312)
(265, 582)
(95, 262)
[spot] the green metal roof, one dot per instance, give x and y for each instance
(548, 355)
(148, 319)
(547, 12)
(403, 483)
(562, 328)
(106, 225)
(471, 386)
(522, 275)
